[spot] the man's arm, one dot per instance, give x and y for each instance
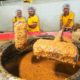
(33, 25)
(68, 23)
(71, 17)
(61, 24)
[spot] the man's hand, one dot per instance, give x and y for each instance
(68, 23)
(33, 25)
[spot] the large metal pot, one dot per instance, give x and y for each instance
(8, 57)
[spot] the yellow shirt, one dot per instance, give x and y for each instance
(66, 18)
(16, 19)
(31, 20)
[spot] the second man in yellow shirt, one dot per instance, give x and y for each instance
(33, 21)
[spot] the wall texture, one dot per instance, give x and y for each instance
(49, 13)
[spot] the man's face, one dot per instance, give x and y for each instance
(31, 12)
(66, 11)
(19, 13)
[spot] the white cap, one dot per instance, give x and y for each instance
(66, 6)
(31, 8)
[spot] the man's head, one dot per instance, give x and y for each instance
(31, 11)
(66, 9)
(19, 13)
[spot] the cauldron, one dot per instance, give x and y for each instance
(11, 60)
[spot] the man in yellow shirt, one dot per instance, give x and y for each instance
(33, 21)
(18, 18)
(67, 19)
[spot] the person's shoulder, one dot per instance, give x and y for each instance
(14, 18)
(35, 16)
(71, 13)
(23, 18)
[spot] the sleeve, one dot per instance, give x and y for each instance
(61, 17)
(71, 16)
(13, 20)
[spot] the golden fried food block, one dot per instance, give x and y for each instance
(20, 35)
(56, 49)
